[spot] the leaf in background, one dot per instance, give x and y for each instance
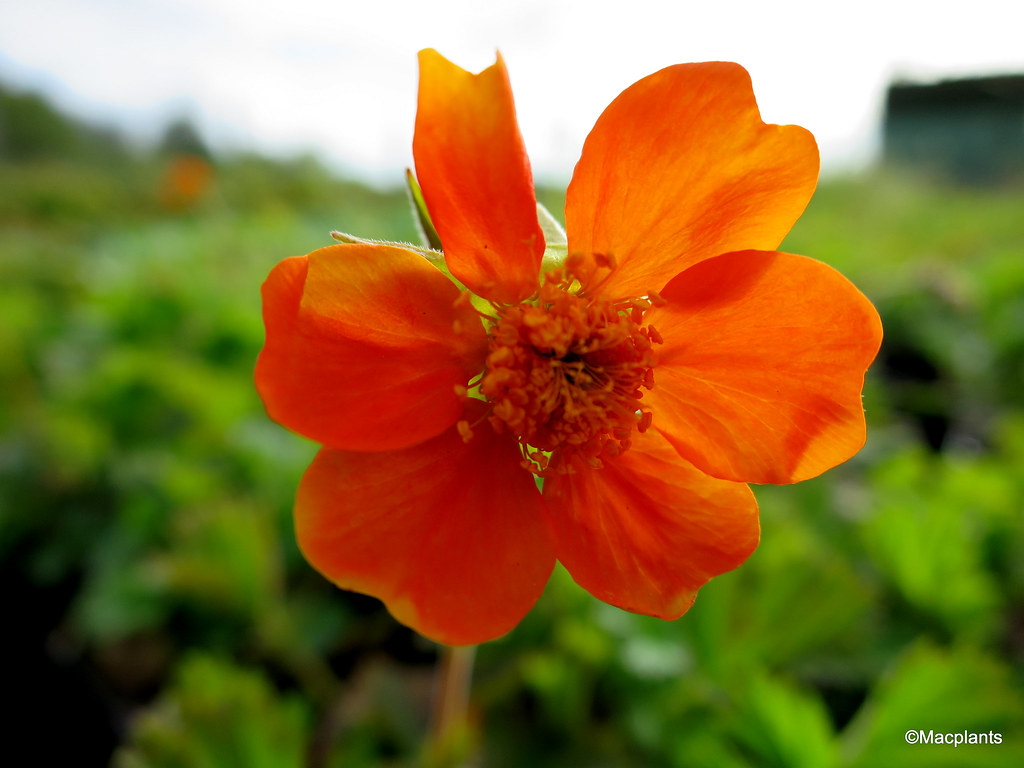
(784, 726)
(945, 691)
(218, 715)
(926, 533)
(223, 558)
(797, 601)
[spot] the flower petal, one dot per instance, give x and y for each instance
(762, 368)
(452, 536)
(680, 168)
(360, 351)
(476, 178)
(649, 529)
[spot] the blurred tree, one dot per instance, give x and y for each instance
(181, 137)
(31, 129)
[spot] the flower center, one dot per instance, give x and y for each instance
(565, 374)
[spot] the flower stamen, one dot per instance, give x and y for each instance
(564, 372)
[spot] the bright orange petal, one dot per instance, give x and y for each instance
(476, 178)
(680, 168)
(360, 352)
(648, 530)
(452, 536)
(762, 368)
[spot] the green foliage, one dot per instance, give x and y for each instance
(31, 129)
(945, 691)
(927, 533)
(217, 715)
(145, 503)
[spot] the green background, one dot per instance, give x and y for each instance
(159, 613)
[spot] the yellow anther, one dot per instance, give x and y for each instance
(465, 431)
(646, 419)
(564, 372)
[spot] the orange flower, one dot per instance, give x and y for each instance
(186, 179)
(670, 358)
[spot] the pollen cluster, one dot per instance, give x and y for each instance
(565, 374)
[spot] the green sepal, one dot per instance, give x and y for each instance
(422, 215)
(434, 257)
(556, 244)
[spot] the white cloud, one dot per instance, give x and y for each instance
(340, 77)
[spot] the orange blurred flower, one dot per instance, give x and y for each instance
(186, 179)
(671, 357)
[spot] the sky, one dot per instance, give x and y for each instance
(339, 78)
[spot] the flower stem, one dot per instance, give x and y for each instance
(450, 736)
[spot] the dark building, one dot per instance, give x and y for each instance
(970, 130)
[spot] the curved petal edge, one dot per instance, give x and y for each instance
(648, 530)
(472, 166)
(452, 536)
(762, 368)
(680, 168)
(364, 347)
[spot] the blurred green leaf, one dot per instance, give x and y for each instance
(145, 494)
(945, 691)
(222, 557)
(926, 532)
(218, 715)
(781, 725)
